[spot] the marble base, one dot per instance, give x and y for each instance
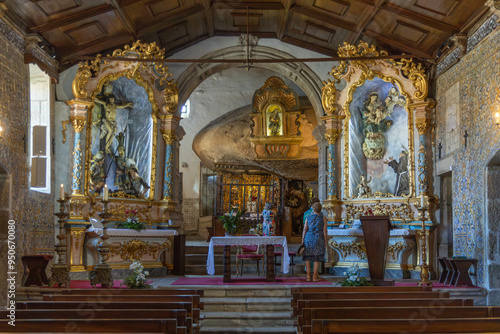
(389, 273)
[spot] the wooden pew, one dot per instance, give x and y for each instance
(192, 319)
(468, 325)
(297, 290)
(90, 314)
(428, 313)
(367, 295)
(94, 326)
(141, 292)
(328, 303)
(195, 299)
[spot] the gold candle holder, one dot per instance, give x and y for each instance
(101, 274)
(424, 268)
(60, 270)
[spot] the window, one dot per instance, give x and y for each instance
(185, 110)
(39, 130)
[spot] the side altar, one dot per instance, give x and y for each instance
(379, 128)
(124, 146)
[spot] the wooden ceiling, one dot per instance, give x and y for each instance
(83, 27)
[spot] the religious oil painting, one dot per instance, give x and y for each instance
(274, 120)
(378, 140)
(121, 140)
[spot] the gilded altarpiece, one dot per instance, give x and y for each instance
(124, 106)
(377, 118)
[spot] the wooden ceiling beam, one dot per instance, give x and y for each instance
(285, 17)
(182, 46)
(168, 21)
(238, 33)
(309, 46)
(125, 20)
(422, 19)
(397, 44)
(69, 19)
(368, 19)
(324, 18)
(247, 4)
(96, 46)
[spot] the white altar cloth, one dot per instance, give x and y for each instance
(248, 241)
(119, 232)
(352, 232)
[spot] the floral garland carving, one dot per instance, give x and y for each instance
(357, 248)
(136, 249)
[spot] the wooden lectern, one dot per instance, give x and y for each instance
(376, 234)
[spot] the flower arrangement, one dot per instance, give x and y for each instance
(138, 278)
(353, 274)
(132, 221)
(232, 221)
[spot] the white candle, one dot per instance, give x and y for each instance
(422, 201)
(61, 191)
(105, 196)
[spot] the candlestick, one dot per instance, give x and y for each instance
(105, 196)
(422, 201)
(61, 191)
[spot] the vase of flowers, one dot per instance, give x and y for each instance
(138, 278)
(232, 222)
(132, 221)
(354, 278)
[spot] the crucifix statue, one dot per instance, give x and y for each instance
(465, 138)
(440, 147)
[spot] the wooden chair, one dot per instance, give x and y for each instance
(248, 254)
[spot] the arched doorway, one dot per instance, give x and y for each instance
(5, 215)
(492, 230)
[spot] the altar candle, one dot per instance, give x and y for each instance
(422, 201)
(105, 196)
(61, 191)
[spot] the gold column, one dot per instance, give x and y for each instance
(76, 223)
(332, 203)
(169, 124)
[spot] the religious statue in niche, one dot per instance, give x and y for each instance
(363, 188)
(121, 140)
(274, 117)
(375, 122)
(298, 202)
(401, 169)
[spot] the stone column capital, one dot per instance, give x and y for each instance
(423, 112)
(78, 107)
(78, 122)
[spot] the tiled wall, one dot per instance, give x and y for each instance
(478, 77)
(32, 211)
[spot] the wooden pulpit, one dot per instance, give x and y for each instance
(376, 234)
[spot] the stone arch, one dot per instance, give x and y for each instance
(492, 227)
(299, 73)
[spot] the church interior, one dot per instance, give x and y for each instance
(136, 135)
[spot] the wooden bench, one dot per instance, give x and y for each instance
(468, 325)
(413, 313)
(95, 326)
(296, 291)
(367, 295)
(195, 299)
(139, 292)
(192, 315)
(303, 304)
(90, 314)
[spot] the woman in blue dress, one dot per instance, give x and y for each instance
(314, 238)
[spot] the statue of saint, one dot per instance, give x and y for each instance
(375, 124)
(97, 173)
(363, 188)
(120, 160)
(108, 119)
(401, 169)
(137, 185)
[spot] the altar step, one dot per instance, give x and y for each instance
(247, 309)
